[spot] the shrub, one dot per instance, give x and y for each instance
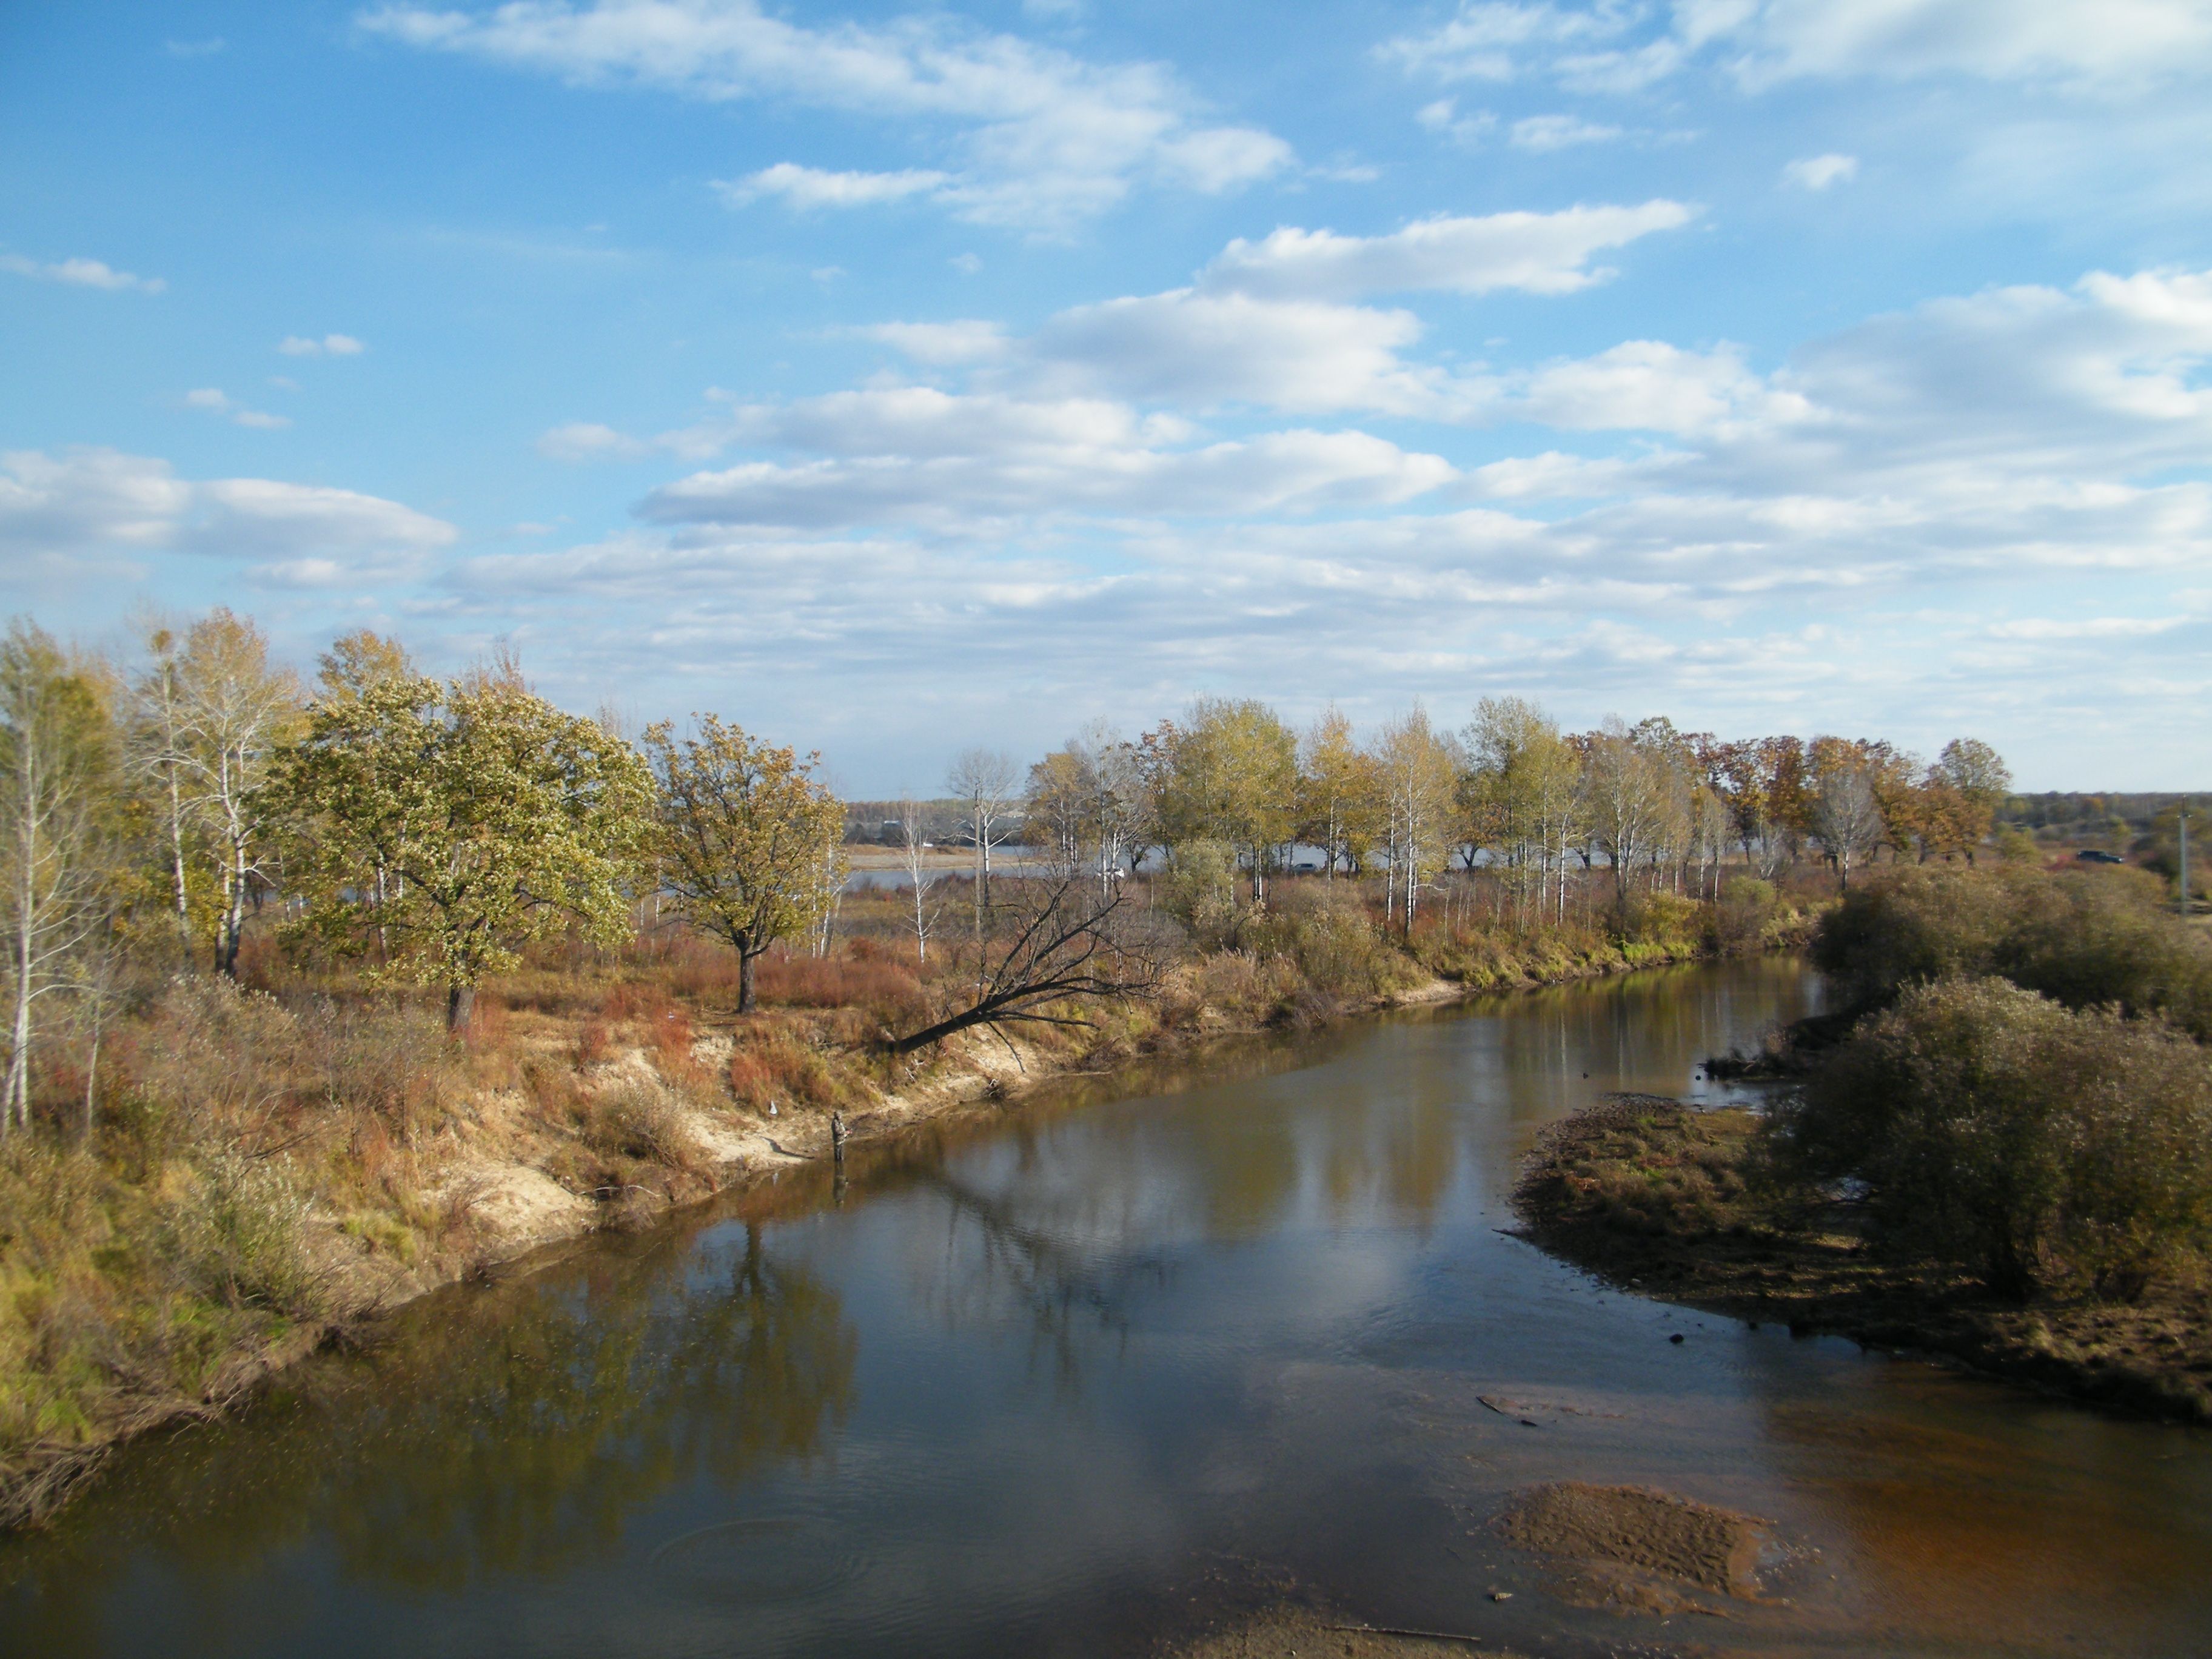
(1330, 938)
(2086, 940)
(1663, 921)
(1739, 920)
(1199, 890)
(2036, 1146)
(241, 1237)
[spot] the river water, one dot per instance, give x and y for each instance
(1084, 1375)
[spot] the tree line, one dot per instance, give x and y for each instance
(427, 831)
(1648, 804)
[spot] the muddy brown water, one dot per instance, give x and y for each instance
(1113, 1366)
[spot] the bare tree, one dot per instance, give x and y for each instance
(155, 736)
(913, 843)
(235, 713)
(54, 774)
(1846, 816)
(986, 781)
(1070, 940)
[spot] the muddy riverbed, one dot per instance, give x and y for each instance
(1151, 1363)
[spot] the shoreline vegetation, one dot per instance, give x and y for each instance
(323, 993)
(1997, 1154)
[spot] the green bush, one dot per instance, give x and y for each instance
(241, 1237)
(1325, 929)
(2086, 939)
(2038, 1147)
(1199, 890)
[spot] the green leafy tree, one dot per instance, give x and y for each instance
(748, 842)
(1230, 773)
(495, 818)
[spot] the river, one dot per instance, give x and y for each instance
(1081, 1376)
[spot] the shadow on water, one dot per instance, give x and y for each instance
(1071, 1376)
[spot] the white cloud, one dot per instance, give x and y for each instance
(215, 401)
(1542, 133)
(1443, 118)
(1535, 253)
(1482, 41)
(916, 454)
(1817, 172)
(1047, 138)
(79, 273)
(1204, 350)
(76, 505)
(966, 341)
(812, 188)
(2088, 39)
(331, 346)
(1613, 46)
(588, 441)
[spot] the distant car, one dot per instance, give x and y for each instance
(2097, 855)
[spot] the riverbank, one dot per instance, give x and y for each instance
(1665, 1200)
(563, 1116)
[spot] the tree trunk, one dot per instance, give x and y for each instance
(460, 1003)
(745, 960)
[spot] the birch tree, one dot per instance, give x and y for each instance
(500, 817)
(56, 789)
(1229, 772)
(1336, 787)
(984, 782)
(155, 736)
(1419, 771)
(750, 843)
(235, 713)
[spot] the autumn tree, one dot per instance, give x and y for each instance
(1228, 773)
(1419, 768)
(1636, 786)
(500, 817)
(1971, 781)
(234, 714)
(1338, 795)
(1523, 790)
(1847, 816)
(154, 734)
(748, 841)
(56, 795)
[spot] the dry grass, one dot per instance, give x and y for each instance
(1675, 1203)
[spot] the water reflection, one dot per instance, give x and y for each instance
(1066, 1378)
(513, 1431)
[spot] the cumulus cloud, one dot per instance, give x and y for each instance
(214, 401)
(1817, 172)
(968, 341)
(916, 454)
(76, 505)
(1616, 47)
(1533, 253)
(331, 346)
(1046, 137)
(81, 273)
(589, 441)
(1542, 133)
(812, 187)
(1443, 118)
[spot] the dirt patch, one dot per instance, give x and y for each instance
(1635, 1547)
(1299, 1633)
(1667, 1201)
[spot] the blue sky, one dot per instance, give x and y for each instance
(891, 381)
